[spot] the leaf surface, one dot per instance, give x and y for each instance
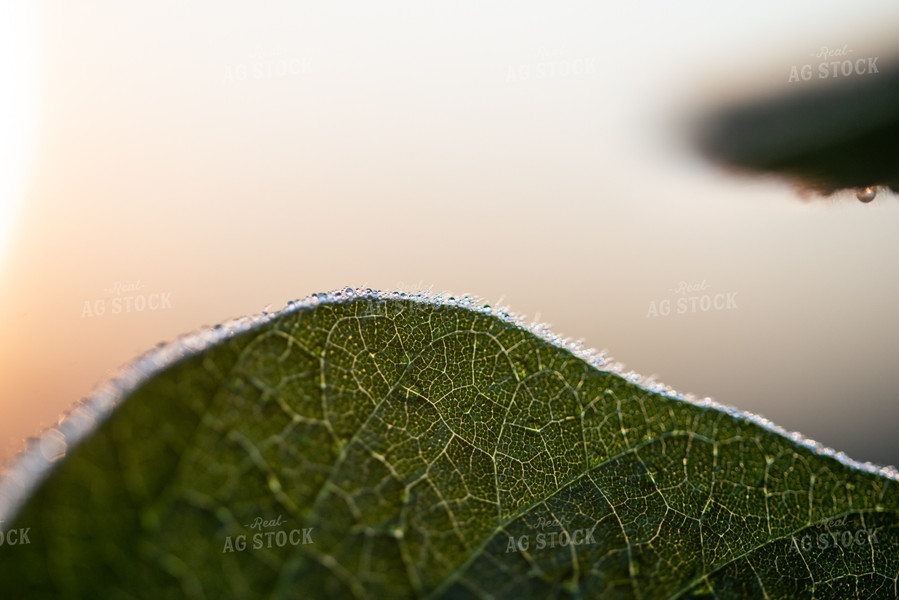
(381, 446)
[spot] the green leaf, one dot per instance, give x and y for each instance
(374, 445)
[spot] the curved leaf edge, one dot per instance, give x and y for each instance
(32, 465)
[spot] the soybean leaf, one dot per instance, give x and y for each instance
(374, 445)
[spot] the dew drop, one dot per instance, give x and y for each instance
(866, 194)
(348, 292)
(53, 445)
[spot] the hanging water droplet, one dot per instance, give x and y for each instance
(866, 194)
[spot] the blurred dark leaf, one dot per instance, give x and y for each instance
(840, 134)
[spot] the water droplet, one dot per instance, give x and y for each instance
(348, 292)
(866, 194)
(53, 445)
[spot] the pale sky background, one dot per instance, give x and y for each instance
(227, 157)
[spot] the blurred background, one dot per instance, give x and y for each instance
(165, 167)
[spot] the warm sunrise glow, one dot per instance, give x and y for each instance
(17, 108)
